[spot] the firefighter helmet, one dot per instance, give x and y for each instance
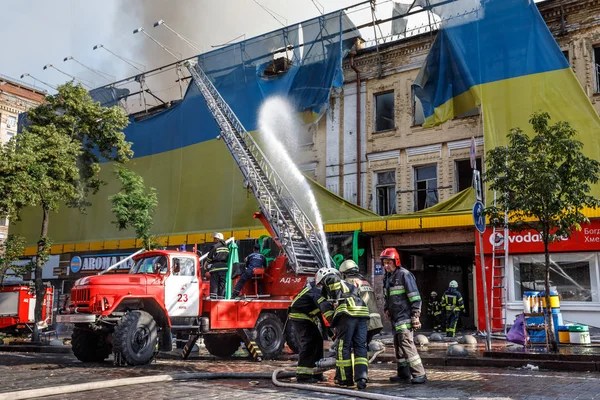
(217, 235)
(391, 254)
(453, 284)
(433, 294)
(348, 266)
(325, 271)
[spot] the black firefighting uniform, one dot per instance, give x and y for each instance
(217, 262)
(304, 314)
(350, 320)
(452, 302)
(402, 302)
(434, 310)
(368, 296)
(254, 260)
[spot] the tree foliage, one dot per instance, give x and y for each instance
(543, 181)
(11, 250)
(134, 206)
(56, 160)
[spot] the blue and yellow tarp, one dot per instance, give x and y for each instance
(500, 54)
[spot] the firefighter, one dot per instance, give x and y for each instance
(403, 308)
(434, 310)
(304, 315)
(254, 260)
(452, 302)
(349, 320)
(351, 274)
(216, 264)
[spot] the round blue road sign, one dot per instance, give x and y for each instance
(478, 217)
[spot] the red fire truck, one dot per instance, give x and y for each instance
(17, 305)
(129, 315)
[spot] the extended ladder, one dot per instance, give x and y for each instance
(499, 279)
(294, 230)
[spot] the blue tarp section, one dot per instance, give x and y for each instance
(315, 48)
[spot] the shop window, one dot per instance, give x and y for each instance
(417, 110)
(425, 189)
(597, 69)
(385, 190)
(463, 174)
(573, 275)
(384, 111)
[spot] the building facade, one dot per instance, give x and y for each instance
(15, 98)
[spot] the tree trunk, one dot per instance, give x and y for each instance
(548, 310)
(40, 290)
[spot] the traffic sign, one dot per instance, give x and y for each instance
(473, 153)
(478, 217)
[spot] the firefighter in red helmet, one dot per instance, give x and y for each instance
(403, 307)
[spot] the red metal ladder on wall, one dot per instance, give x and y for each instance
(499, 293)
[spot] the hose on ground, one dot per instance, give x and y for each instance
(332, 390)
(82, 387)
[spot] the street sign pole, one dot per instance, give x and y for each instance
(479, 220)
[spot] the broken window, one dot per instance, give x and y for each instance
(597, 68)
(463, 174)
(385, 190)
(417, 110)
(281, 62)
(470, 113)
(573, 275)
(566, 54)
(425, 190)
(384, 111)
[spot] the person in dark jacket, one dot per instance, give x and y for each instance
(349, 320)
(305, 316)
(452, 303)
(216, 264)
(403, 307)
(254, 260)
(434, 310)
(351, 274)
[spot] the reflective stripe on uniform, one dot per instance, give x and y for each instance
(304, 371)
(299, 316)
(361, 361)
(403, 326)
(340, 358)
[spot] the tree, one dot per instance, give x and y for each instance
(544, 183)
(134, 206)
(11, 250)
(56, 160)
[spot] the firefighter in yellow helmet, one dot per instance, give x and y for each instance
(351, 274)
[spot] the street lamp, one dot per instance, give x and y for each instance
(100, 46)
(189, 43)
(35, 79)
(165, 48)
(101, 74)
(64, 73)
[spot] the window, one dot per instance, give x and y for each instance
(463, 174)
(183, 267)
(425, 191)
(384, 111)
(566, 54)
(385, 190)
(9, 135)
(11, 121)
(597, 68)
(417, 109)
(470, 113)
(571, 275)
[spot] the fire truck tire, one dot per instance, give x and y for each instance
(135, 337)
(223, 345)
(290, 337)
(269, 335)
(89, 346)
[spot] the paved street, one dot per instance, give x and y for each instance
(22, 371)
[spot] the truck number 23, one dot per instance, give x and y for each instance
(182, 298)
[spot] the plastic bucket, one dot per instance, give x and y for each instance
(554, 300)
(531, 302)
(563, 335)
(579, 334)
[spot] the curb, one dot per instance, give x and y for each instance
(32, 348)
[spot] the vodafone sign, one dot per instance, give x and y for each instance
(588, 239)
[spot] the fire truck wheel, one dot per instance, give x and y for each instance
(89, 346)
(290, 338)
(269, 335)
(223, 345)
(135, 337)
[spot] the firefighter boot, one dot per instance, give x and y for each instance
(419, 379)
(361, 384)
(403, 375)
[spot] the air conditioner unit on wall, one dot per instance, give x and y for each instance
(417, 263)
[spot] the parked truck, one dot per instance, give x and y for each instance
(134, 315)
(17, 305)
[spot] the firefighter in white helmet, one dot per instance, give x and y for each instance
(453, 303)
(216, 264)
(351, 274)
